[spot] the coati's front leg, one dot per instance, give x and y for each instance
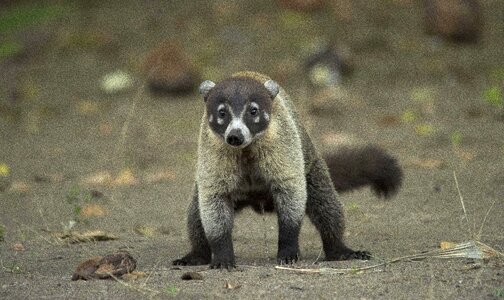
(326, 213)
(200, 249)
(217, 215)
(290, 206)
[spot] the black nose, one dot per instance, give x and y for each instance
(235, 138)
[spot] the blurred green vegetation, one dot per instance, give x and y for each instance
(23, 16)
(10, 48)
(2, 233)
(493, 95)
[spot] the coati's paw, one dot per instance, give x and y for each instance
(364, 255)
(287, 257)
(223, 263)
(192, 259)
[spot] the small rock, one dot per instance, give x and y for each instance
(192, 276)
(116, 82)
(453, 20)
(169, 70)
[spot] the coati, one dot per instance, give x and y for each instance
(253, 151)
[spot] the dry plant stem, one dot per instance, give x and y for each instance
(462, 202)
(37, 233)
(119, 149)
(318, 257)
(150, 274)
(457, 251)
(480, 231)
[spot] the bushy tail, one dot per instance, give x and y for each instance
(352, 168)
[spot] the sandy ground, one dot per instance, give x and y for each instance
(68, 145)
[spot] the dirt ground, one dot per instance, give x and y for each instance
(124, 163)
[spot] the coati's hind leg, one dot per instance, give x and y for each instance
(326, 213)
(200, 249)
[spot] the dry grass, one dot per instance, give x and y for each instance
(472, 249)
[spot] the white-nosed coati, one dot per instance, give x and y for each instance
(253, 151)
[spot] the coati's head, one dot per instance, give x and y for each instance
(238, 108)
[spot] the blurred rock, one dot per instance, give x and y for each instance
(328, 66)
(302, 5)
(116, 82)
(453, 20)
(169, 70)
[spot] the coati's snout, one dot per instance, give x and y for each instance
(239, 108)
(235, 138)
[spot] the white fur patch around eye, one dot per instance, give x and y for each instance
(266, 116)
(256, 119)
(210, 119)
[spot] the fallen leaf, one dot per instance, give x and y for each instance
(231, 286)
(427, 163)
(89, 236)
(145, 230)
(92, 210)
(99, 178)
(19, 187)
(135, 275)
(447, 245)
(18, 246)
(125, 177)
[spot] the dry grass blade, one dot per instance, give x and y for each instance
(90, 236)
(471, 249)
(462, 202)
(141, 289)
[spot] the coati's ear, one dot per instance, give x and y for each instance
(205, 88)
(272, 87)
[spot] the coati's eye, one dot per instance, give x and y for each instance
(253, 111)
(222, 113)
